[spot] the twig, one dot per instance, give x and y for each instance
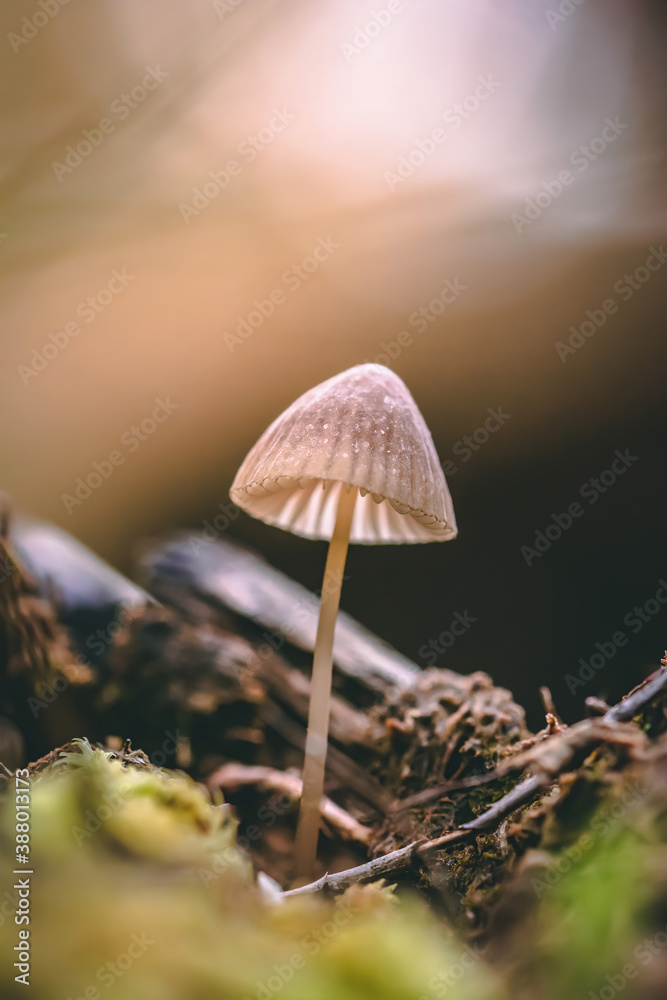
(339, 765)
(638, 697)
(596, 706)
(388, 864)
(404, 858)
(548, 702)
(231, 776)
(521, 793)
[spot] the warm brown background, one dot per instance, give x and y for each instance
(324, 175)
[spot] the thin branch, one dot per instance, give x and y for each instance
(521, 793)
(596, 706)
(548, 702)
(639, 697)
(388, 864)
(339, 766)
(234, 776)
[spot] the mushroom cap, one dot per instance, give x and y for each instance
(360, 428)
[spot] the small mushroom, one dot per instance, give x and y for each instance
(352, 460)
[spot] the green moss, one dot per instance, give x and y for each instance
(155, 900)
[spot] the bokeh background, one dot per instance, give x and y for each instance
(318, 122)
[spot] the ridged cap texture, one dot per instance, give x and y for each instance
(360, 428)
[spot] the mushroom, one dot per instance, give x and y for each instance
(351, 460)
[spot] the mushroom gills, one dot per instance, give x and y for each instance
(310, 511)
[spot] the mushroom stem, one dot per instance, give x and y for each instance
(320, 694)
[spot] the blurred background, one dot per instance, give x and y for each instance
(208, 207)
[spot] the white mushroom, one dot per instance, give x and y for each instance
(352, 460)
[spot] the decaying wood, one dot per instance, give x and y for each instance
(224, 657)
(233, 776)
(548, 756)
(292, 687)
(69, 573)
(226, 575)
(549, 759)
(204, 667)
(29, 633)
(340, 766)
(441, 728)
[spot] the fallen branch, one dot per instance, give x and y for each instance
(225, 575)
